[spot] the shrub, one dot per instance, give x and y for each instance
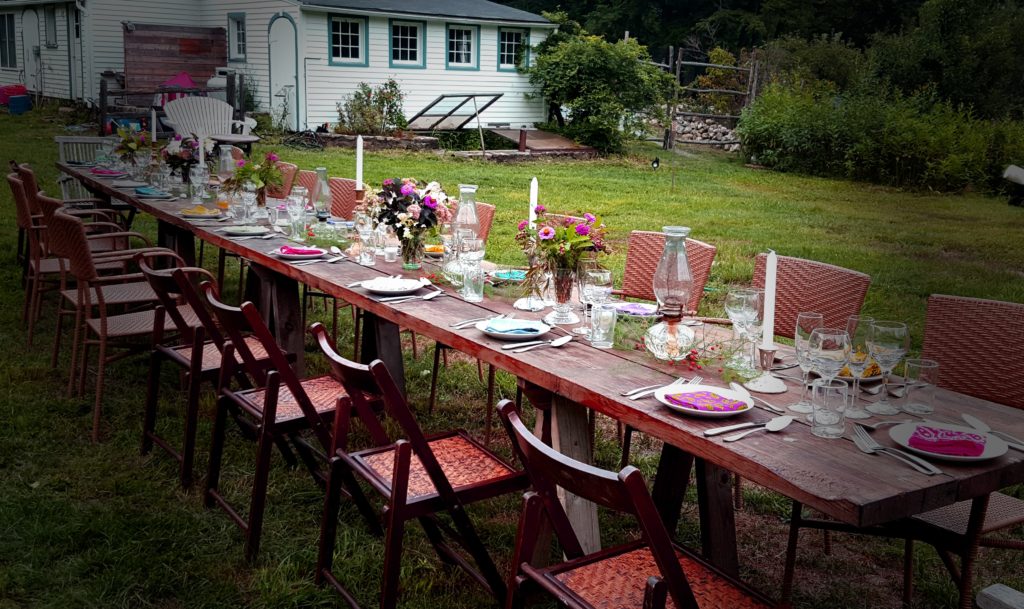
(875, 136)
(372, 111)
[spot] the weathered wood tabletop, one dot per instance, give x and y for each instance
(831, 476)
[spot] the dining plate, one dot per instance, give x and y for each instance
(864, 379)
(108, 174)
(994, 447)
(213, 213)
(637, 309)
(501, 329)
(246, 231)
(392, 286)
(729, 394)
(432, 251)
(305, 256)
(509, 275)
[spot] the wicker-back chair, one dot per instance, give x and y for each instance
(288, 173)
(343, 197)
(956, 325)
(274, 409)
(806, 285)
(308, 180)
(643, 255)
(643, 573)
(417, 475)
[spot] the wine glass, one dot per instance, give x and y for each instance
(829, 351)
(806, 323)
(743, 305)
(364, 226)
(888, 342)
(596, 288)
(198, 177)
(857, 327)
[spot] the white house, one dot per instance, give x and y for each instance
(303, 54)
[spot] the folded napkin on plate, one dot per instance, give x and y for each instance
(127, 183)
(947, 441)
(512, 330)
(636, 308)
(100, 171)
(705, 400)
(299, 251)
(149, 191)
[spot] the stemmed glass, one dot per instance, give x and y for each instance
(829, 350)
(806, 323)
(888, 342)
(596, 288)
(198, 177)
(364, 226)
(743, 305)
(857, 327)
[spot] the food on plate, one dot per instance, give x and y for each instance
(433, 248)
(199, 210)
(873, 370)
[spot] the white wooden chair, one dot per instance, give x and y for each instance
(78, 148)
(209, 117)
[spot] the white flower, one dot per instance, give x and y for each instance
(173, 146)
(402, 216)
(208, 144)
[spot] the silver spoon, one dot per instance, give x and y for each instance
(558, 342)
(776, 424)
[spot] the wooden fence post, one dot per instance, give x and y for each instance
(103, 105)
(240, 92)
(231, 95)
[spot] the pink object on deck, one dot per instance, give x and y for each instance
(706, 401)
(947, 442)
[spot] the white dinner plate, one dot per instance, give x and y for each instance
(494, 327)
(392, 286)
(246, 231)
(707, 414)
(194, 215)
(994, 447)
(283, 256)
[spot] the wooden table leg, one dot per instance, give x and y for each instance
(382, 340)
(670, 483)
(182, 242)
(717, 519)
(279, 302)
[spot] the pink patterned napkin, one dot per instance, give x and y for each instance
(105, 172)
(947, 442)
(300, 251)
(705, 400)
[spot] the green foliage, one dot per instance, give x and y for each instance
(602, 86)
(720, 78)
(372, 111)
(892, 139)
(829, 58)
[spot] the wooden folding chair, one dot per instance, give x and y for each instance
(418, 476)
(651, 572)
(275, 411)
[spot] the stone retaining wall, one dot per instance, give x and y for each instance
(706, 131)
(380, 142)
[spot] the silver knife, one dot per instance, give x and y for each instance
(983, 427)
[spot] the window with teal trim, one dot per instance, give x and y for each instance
(406, 43)
(347, 40)
(510, 48)
(460, 47)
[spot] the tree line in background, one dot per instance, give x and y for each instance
(923, 94)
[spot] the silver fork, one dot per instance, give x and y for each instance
(676, 383)
(867, 444)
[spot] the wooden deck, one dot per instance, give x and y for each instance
(540, 141)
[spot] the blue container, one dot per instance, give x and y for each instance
(19, 104)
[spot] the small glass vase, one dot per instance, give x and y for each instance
(412, 253)
(563, 280)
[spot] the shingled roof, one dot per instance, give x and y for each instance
(477, 10)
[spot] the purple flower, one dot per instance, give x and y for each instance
(523, 224)
(568, 221)
(582, 230)
(429, 202)
(546, 233)
(540, 209)
(240, 163)
(414, 211)
(177, 137)
(589, 217)
(273, 158)
(388, 182)
(407, 190)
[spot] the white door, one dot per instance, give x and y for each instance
(284, 75)
(75, 41)
(31, 49)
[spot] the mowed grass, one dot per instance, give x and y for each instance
(84, 525)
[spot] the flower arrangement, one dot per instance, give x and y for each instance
(181, 154)
(411, 212)
(131, 143)
(264, 174)
(559, 243)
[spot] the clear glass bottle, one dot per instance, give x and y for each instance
(465, 213)
(323, 198)
(669, 339)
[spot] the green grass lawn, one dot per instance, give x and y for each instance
(85, 525)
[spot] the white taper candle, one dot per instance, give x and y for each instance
(770, 271)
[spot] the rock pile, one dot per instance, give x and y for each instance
(708, 131)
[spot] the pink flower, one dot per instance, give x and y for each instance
(273, 158)
(589, 217)
(240, 163)
(413, 211)
(429, 202)
(568, 221)
(523, 224)
(388, 182)
(582, 230)
(540, 209)
(407, 190)
(177, 137)
(546, 233)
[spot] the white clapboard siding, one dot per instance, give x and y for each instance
(258, 14)
(13, 76)
(54, 59)
(326, 84)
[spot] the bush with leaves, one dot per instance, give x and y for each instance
(606, 89)
(372, 111)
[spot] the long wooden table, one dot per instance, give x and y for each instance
(831, 476)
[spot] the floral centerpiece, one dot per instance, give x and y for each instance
(555, 245)
(130, 145)
(264, 175)
(412, 212)
(182, 153)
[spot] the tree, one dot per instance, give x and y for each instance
(601, 85)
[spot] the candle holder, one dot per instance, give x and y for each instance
(766, 383)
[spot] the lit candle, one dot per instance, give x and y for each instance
(359, 162)
(533, 203)
(770, 271)
(152, 123)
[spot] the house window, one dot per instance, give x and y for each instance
(407, 44)
(348, 40)
(236, 36)
(8, 50)
(78, 24)
(511, 46)
(462, 46)
(50, 17)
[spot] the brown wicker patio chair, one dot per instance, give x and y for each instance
(275, 410)
(307, 179)
(343, 197)
(955, 325)
(651, 572)
(288, 174)
(418, 476)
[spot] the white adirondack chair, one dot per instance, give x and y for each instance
(80, 149)
(208, 117)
